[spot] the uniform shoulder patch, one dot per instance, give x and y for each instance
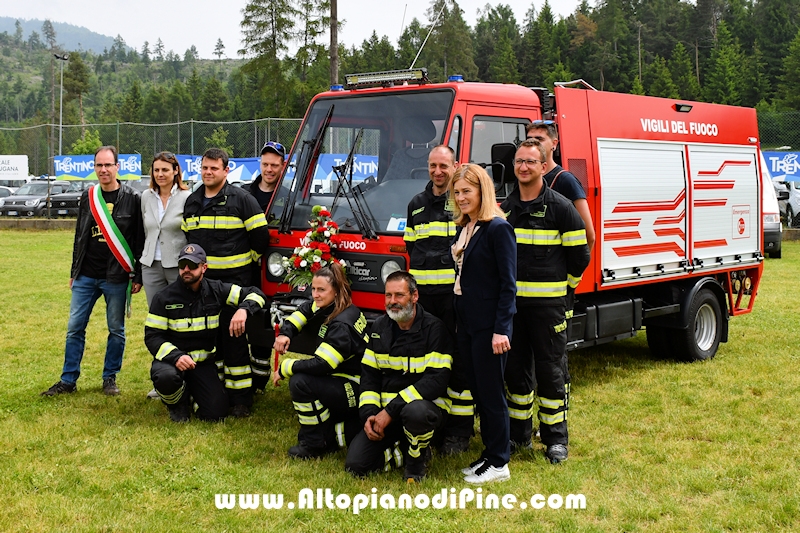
(375, 335)
(418, 211)
(173, 306)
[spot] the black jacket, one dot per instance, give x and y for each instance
(127, 214)
(416, 366)
(428, 235)
(231, 229)
(551, 247)
(182, 321)
(341, 346)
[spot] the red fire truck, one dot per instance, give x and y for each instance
(673, 186)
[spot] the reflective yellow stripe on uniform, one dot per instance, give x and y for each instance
(444, 276)
(329, 354)
(520, 399)
(238, 383)
(351, 377)
(156, 322)
(574, 238)
(201, 355)
(369, 397)
(298, 320)
(230, 261)
(410, 393)
(233, 295)
(194, 324)
(541, 289)
(444, 404)
(572, 281)
(237, 370)
(463, 396)
(387, 397)
(538, 237)
(171, 399)
(253, 297)
(212, 222)
(164, 350)
(552, 419)
(256, 221)
(435, 229)
(520, 414)
(286, 367)
(413, 365)
(409, 235)
(549, 403)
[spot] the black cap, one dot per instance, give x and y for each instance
(275, 148)
(194, 253)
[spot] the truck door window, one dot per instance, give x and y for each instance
(455, 137)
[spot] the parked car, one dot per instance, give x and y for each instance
(5, 192)
(13, 183)
(790, 205)
(66, 203)
(30, 200)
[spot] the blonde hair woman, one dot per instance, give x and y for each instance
(485, 252)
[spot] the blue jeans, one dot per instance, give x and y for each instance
(85, 293)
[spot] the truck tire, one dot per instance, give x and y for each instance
(701, 339)
(659, 340)
(775, 255)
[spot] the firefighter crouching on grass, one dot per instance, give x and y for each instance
(552, 254)
(324, 388)
(229, 224)
(404, 377)
(182, 331)
(429, 233)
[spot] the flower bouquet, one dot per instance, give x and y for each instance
(315, 250)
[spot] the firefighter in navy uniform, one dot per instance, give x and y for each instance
(552, 254)
(229, 224)
(324, 388)
(182, 331)
(428, 235)
(404, 376)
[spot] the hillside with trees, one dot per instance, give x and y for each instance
(741, 52)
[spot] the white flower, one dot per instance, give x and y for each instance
(317, 259)
(327, 233)
(342, 262)
(303, 263)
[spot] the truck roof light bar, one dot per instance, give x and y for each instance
(580, 81)
(682, 108)
(387, 78)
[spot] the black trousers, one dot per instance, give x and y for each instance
(404, 440)
(538, 358)
(260, 365)
(461, 420)
(327, 408)
(201, 386)
(235, 356)
(485, 373)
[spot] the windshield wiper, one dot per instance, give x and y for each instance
(310, 150)
(341, 171)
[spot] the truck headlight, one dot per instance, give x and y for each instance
(275, 264)
(772, 219)
(32, 203)
(387, 268)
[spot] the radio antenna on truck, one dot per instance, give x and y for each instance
(426, 37)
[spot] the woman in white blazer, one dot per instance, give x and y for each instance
(162, 212)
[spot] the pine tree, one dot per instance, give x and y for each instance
(213, 101)
(637, 87)
(18, 35)
(219, 49)
(659, 81)
(449, 49)
(409, 43)
(683, 73)
(755, 83)
(76, 80)
(492, 22)
(788, 96)
(159, 50)
(131, 108)
(724, 71)
(146, 54)
(503, 65)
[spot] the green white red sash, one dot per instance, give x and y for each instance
(116, 242)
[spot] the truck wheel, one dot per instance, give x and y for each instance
(659, 340)
(701, 339)
(775, 255)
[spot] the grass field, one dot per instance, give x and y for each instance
(655, 445)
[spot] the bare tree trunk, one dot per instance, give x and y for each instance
(334, 43)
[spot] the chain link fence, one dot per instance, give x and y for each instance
(191, 137)
(777, 130)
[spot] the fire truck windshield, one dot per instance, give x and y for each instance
(390, 135)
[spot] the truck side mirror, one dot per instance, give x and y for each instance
(783, 195)
(503, 162)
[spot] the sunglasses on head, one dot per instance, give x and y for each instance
(278, 147)
(543, 122)
(183, 263)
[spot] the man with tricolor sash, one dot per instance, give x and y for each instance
(552, 254)
(182, 331)
(109, 236)
(230, 226)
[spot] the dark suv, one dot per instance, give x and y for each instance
(30, 200)
(66, 204)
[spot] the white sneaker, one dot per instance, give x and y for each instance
(488, 474)
(473, 466)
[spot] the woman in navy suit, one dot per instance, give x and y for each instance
(485, 252)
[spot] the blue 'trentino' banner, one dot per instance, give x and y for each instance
(783, 166)
(239, 168)
(81, 167)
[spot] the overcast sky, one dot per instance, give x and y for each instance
(181, 23)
